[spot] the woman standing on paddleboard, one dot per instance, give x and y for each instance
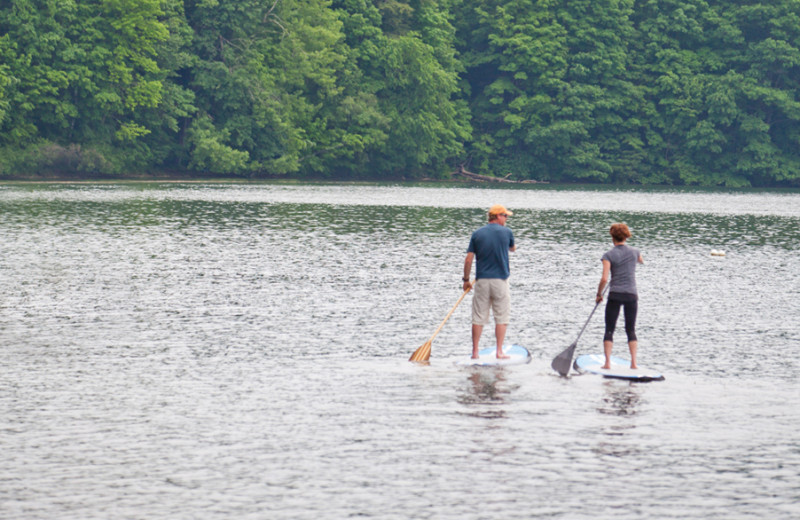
(620, 262)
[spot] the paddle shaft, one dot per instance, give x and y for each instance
(451, 312)
(596, 305)
(561, 363)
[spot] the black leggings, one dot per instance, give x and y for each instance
(631, 304)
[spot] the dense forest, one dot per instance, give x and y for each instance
(681, 92)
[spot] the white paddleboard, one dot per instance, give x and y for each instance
(518, 355)
(620, 368)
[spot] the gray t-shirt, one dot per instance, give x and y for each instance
(623, 260)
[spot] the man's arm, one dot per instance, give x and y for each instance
(467, 269)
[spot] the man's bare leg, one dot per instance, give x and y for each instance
(477, 330)
(500, 334)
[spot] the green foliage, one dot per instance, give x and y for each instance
(725, 80)
(5, 81)
(210, 154)
(48, 159)
(409, 72)
(553, 86)
(275, 89)
(84, 75)
(698, 92)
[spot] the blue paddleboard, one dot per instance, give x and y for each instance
(620, 368)
(518, 355)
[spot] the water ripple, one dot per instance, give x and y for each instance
(239, 351)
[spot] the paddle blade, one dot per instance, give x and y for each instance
(563, 362)
(423, 353)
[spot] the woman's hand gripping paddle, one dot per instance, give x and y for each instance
(562, 363)
(423, 353)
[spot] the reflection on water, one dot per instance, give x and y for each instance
(620, 398)
(485, 386)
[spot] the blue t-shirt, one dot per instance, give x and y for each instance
(623, 260)
(490, 245)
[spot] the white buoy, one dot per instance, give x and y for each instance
(717, 252)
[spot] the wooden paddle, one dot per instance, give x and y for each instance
(563, 362)
(423, 353)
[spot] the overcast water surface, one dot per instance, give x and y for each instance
(220, 351)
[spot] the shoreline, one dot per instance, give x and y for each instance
(464, 183)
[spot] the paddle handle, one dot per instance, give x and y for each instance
(451, 312)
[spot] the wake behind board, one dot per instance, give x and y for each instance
(518, 355)
(620, 368)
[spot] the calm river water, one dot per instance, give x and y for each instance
(220, 351)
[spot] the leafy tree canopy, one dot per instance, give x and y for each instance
(698, 92)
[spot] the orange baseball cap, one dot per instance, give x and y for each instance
(497, 209)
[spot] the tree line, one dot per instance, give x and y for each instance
(682, 92)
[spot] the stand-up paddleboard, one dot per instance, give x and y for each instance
(518, 355)
(620, 368)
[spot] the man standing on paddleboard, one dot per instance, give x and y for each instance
(620, 262)
(489, 245)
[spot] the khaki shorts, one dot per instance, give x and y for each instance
(491, 293)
